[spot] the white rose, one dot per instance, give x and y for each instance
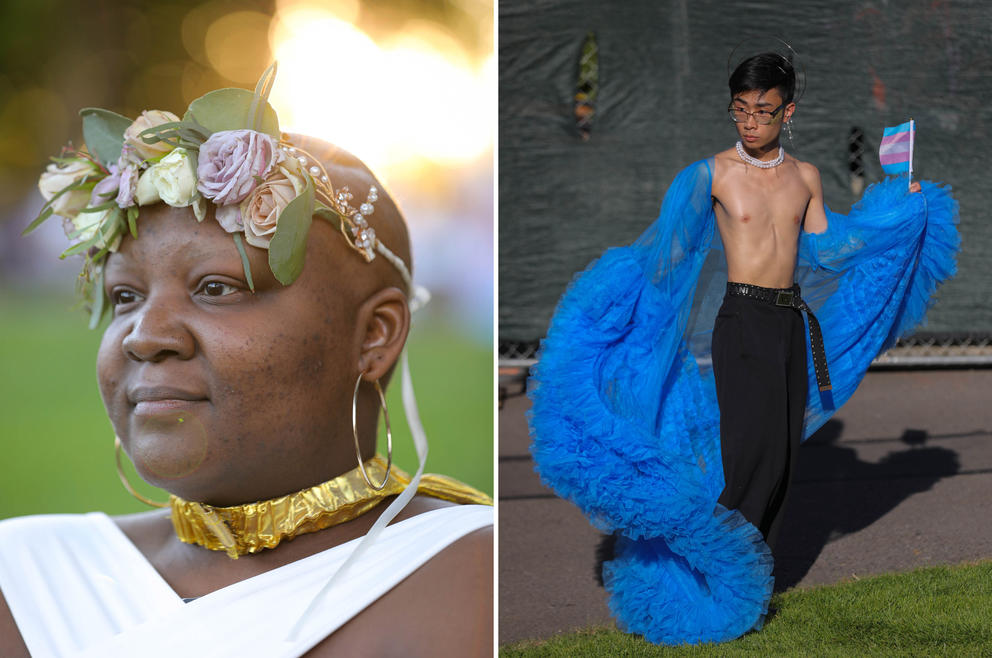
(89, 224)
(172, 180)
(58, 177)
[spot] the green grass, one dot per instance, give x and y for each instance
(57, 444)
(937, 611)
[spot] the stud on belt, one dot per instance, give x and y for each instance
(790, 297)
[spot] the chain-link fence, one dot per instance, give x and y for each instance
(924, 349)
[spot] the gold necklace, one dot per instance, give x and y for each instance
(243, 529)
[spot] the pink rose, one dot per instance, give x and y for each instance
(232, 162)
(129, 156)
(106, 189)
(260, 211)
(128, 186)
(229, 218)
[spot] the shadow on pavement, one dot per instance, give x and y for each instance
(836, 493)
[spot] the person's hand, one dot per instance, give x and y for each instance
(914, 187)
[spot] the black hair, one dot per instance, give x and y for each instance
(764, 72)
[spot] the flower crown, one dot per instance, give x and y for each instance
(227, 149)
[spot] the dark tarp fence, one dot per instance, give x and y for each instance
(661, 101)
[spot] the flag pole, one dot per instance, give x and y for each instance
(912, 138)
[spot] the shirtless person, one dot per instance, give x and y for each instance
(762, 199)
(624, 422)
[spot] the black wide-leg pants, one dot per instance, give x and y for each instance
(759, 363)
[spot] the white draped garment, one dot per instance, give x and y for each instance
(78, 587)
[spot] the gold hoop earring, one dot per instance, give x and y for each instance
(127, 485)
(389, 434)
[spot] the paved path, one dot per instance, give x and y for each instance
(900, 478)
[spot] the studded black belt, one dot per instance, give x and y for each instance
(790, 297)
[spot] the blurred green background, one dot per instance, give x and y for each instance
(418, 70)
(57, 444)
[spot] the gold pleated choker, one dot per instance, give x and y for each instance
(249, 528)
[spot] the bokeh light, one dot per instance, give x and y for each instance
(394, 103)
(344, 10)
(236, 45)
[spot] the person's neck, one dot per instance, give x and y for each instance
(249, 528)
(767, 152)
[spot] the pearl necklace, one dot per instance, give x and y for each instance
(760, 164)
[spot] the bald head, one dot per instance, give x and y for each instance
(345, 170)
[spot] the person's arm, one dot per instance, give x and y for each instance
(11, 643)
(816, 216)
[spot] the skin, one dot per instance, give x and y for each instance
(761, 212)
(225, 396)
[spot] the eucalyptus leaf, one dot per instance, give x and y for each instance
(45, 213)
(170, 138)
(149, 135)
(240, 244)
(114, 220)
(187, 134)
(103, 132)
(193, 131)
(192, 138)
(101, 207)
(132, 221)
(288, 247)
(75, 233)
(261, 96)
(99, 255)
(48, 209)
(268, 78)
(79, 248)
(109, 233)
(99, 301)
(230, 109)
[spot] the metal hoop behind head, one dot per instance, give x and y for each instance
(798, 63)
(127, 485)
(389, 434)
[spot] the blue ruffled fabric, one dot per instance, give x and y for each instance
(624, 421)
(871, 277)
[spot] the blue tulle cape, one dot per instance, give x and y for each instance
(625, 423)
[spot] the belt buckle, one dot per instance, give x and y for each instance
(784, 298)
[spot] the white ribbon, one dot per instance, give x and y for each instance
(420, 442)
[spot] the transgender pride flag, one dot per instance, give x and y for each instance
(896, 149)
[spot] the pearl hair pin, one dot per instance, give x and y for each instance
(363, 238)
(355, 228)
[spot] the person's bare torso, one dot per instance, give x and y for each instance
(760, 213)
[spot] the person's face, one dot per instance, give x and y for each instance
(218, 394)
(754, 135)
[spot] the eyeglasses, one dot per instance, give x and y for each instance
(761, 117)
